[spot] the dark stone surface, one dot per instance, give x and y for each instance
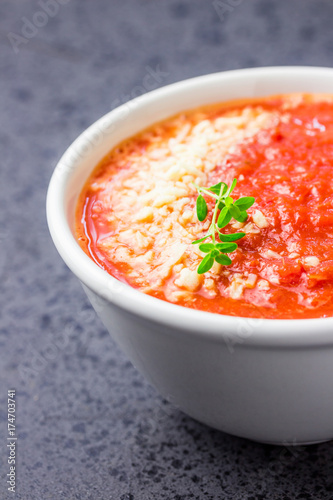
(89, 426)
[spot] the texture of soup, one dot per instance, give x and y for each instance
(136, 214)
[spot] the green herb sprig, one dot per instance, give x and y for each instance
(225, 209)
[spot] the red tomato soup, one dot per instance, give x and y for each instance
(136, 215)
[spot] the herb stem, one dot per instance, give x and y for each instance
(213, 223)
(203, 190)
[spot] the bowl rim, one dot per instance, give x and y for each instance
(233, 330)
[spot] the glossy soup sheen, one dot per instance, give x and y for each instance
(281, 151)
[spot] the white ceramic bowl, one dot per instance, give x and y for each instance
(266, 380)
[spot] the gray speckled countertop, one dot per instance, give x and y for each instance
(89, 426)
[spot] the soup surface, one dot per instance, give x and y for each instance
(136, 214)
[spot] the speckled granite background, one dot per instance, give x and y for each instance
(89, 426)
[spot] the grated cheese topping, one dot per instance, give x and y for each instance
(151, 202)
